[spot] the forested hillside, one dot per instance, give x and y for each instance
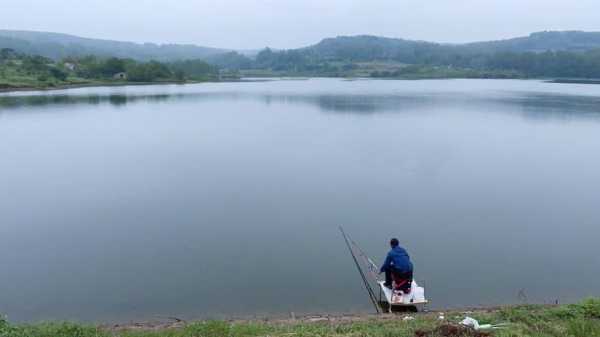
(567, 54)
(547, 54)
(57, 46)
(367, 47)
(19, 70)
(574, 41)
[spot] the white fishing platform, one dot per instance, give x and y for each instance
(414, 301)
(415, 298)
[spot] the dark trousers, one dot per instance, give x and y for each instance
(403, 279)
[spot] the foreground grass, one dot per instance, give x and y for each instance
(575, 320)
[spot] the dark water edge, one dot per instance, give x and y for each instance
(7, 88)
(575, 81)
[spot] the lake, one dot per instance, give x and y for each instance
(224, 199)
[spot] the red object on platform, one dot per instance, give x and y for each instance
(401, 283)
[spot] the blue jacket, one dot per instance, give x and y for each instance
(398, 259)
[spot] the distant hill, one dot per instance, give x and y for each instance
(349, 49)
(56, 45)
(545, 54)
(574, 41)
(366, 47)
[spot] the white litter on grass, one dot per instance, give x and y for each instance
(473, 323)
(441, 317)
(408, 318)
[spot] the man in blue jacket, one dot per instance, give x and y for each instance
(397, 267)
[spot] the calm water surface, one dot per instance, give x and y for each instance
(220, 200)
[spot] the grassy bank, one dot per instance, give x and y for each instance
(581, 319)
(13, 80)
(20, 71)
(12, 87)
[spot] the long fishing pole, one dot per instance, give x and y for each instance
(362, 275)
(372, 265)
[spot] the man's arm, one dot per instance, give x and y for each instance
(386, 263)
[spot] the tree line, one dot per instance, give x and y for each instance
(419, 60)
(514, 64)
(93, 67)
(96, 68)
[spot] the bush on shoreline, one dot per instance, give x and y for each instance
(18, 70)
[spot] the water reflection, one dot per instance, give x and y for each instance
(565, 107)
(7, 102)
(530, 105)
(358, 104)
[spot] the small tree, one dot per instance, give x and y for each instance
(179, 75)
(58, 74)
(112, 66)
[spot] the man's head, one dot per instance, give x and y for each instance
(394, 242)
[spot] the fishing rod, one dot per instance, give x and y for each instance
(362, 275)
(372, 266)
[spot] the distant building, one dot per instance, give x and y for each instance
(120, 76)
(70, 66)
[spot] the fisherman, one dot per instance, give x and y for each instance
(397, 268)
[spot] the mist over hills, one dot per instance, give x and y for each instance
(561, 54)
(57, 45)
(574, 41)
(362, 47)
(368, 47)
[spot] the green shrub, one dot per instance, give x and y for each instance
(208, 329)
(250, 329)
(591, 308)
(583, 328)
(6, 330)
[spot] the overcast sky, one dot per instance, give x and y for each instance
(249, 24)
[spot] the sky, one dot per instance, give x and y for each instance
(253, 24)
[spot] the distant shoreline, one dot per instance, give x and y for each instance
(95, 84)
(575, 81)
(123, 84)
